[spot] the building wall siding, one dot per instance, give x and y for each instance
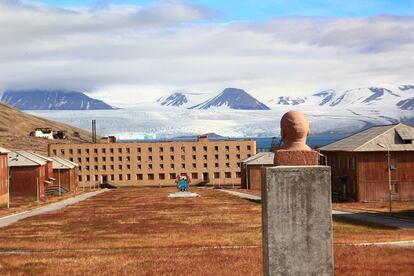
(27, 181)
(3, 179)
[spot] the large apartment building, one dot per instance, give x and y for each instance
(157, 163)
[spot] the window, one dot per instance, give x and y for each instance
(249, 147)
(172, 149)
(172, 166)
(103, 159)
(111, 150)
(216, 157)
(71, 159)
(194, 148)
(95, 151)
(194, 157)
(150, 149)
(161, 176)
(119, 150)
(128, 177)
(88, 178)
(95, 167)
(182, 157)
(238, 174)
(79, 151)
(194, 175)
(95, 159)
(227, 157)
(139, 167)
(112, 167)
(128, 159)
(96, 177)
(393, 163)
(62, 151)
(150, 176)
(227, 165)
(70, 151)
(87, 168)
(216, 175)
(238, 148)
(103, 167)
(139, 158)
(128, 150)
(120, 167)
(161, 149)
(120, 158)
(139, 176)
(112, 159)
(227, 174)
(150, 158)
(161, 166)
(205, 157)
(150, 166)
(238, 156)
(139, 150)
(194, 166)
(238, 165)
(172, 176)
(80, 178)
(394, 187)
(79, 159)
(87, 151)
(120, 177)
(54, 152)
(227, 148)
(205, 165)
(182, 166)
(216, 165)
(216, 148)
(128, 167)
(87, 159)
(172, 157)
(182, 149)
(205, 149)
(112, 177)
(161, 158)
(104, 150)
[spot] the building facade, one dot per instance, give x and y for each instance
(251, 169)
(4, 177)
(360, 164)
(27, 175)
(205, 161)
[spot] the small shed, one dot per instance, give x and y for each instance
(251, 169)
(360, 164)
(43, 133)
(27, 175)
(4, 175)
(49, 168)
(66, 173)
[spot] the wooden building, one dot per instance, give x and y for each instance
(251, 169)
(49, 177)
(360, 164)
(27, 175)
(4, 175)
(66, 174)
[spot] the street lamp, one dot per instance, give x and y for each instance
(389, 175)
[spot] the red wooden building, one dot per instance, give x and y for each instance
(251, 169)
(66, 174)
(360, 164)
(27, 175)
(4, 175)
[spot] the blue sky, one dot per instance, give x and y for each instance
(265, 9)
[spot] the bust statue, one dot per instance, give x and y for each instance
(294, 129)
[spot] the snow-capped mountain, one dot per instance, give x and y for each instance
(51, 100)
(233, 98)
(287, 100)
(175, 99)
(398, 97)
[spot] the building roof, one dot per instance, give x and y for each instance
(23, 158)
(63, 164)
(41, 156)
(262, 158)
(4, 151)
(398, 137)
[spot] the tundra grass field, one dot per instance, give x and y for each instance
(142, 232)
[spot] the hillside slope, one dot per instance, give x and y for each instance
(15, 127)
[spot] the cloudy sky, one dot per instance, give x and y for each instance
(127, 51)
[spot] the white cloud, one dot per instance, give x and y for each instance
(142, 52)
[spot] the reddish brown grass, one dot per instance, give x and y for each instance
(142, 232)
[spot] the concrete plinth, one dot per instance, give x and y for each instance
(297, 221)
(183, 194)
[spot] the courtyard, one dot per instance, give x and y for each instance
(142, 232)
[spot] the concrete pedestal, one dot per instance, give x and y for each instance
(183, 194)
(297, 221)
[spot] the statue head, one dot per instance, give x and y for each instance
(294, 128)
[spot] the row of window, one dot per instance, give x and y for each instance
(149, 150)
(150, 166)
(150, 158)
(161, 176)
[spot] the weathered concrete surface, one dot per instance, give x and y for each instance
(297, 222)
(295, 157)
